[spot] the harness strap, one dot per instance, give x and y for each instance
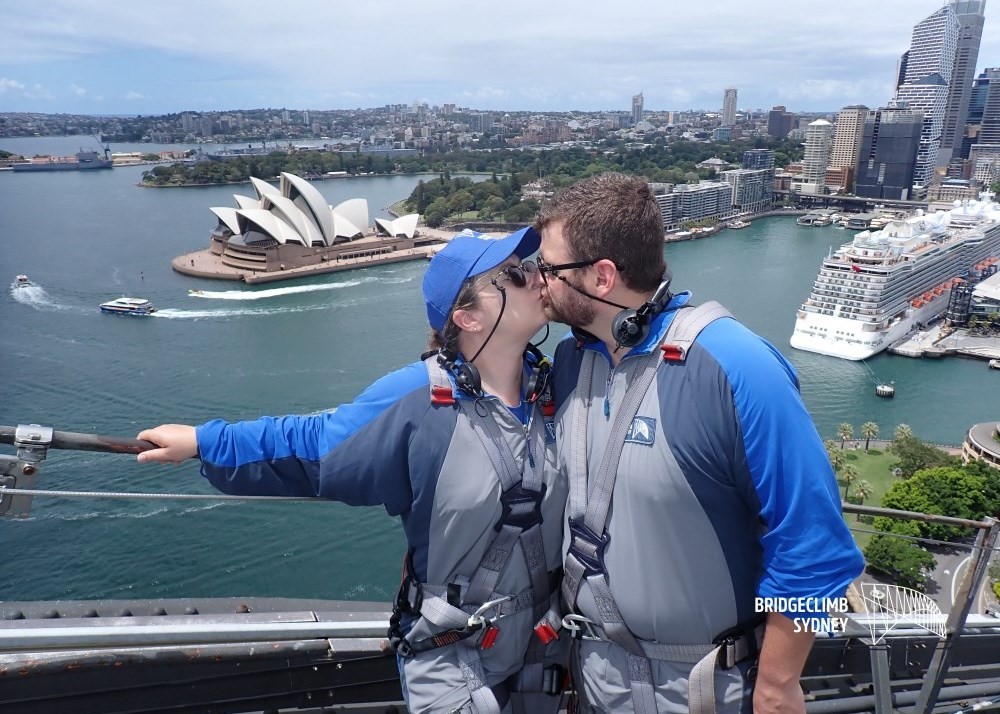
(589, 511)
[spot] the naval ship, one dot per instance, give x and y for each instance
(873, 291)
(895, 652)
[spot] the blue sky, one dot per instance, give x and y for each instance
(116, 57)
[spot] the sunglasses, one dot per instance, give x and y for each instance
(546, 269)
(517, 274)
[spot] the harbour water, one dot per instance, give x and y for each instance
(86, 237)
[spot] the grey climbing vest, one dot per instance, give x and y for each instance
(588, 536)
(464, 615)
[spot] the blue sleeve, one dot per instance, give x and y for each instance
(808, 551)
(357, 454)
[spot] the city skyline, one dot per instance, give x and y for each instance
(89, 57)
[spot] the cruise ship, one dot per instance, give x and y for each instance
(876, 289)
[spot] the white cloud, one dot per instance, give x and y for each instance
(78, 91)
(133, 96)
(10, 85)
(38, 91)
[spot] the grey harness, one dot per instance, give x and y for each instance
(588, 517)
(522, 491)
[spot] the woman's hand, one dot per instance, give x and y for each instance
(176, 441)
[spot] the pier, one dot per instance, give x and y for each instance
(937, 341)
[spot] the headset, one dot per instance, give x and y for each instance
(630, 327)
(468, 380)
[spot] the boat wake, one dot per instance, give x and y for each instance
(36, 297)
(175, 314)
(278, 292)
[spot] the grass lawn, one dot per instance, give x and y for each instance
(875, 468)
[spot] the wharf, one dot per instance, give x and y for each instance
(937, 341)
(206, 264)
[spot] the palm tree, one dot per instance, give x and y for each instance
(837, 458)
(850, 475)
(903, 431)
(844, 432)
(863, 489)
(869, 430)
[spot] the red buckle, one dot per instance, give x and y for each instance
(672, 353)
(489, 637)
(548, 409)
(546, 633)
(442, 396)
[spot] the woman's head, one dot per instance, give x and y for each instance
(477, 285)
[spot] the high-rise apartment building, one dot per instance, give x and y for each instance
(819, 136)
(637, 109)
(889, 144)
(847, 136)
(729, 107)
(779, 122)
(758, 159)
(929, 69)
(970, 16)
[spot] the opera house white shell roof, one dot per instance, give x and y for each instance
(296, 212)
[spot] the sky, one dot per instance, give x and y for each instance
(117, 57)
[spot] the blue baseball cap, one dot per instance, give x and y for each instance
(464, 256)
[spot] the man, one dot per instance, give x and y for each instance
(722, 491)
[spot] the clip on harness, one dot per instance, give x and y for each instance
(589, 537)
(522, 493)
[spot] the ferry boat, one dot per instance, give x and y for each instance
(994, 364)
(22, 281)
(736, 225)
(875, 290)
(128, 306)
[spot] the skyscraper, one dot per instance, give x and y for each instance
(637, 109)
(970, 16)
(816, 158)
(929, 68)
(729, 107)
(779, 122)
(847, 136)
(889, 144)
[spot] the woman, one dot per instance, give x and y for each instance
(463, 451)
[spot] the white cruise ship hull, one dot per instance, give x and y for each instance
(846, 338)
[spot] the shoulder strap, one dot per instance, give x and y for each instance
(686, 326)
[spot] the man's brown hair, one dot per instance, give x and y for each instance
(612, 216)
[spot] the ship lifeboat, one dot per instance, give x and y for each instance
(917, 302)
(927, 296)
(939, 289)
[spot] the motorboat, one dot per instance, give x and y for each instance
(22, 281)
(994, 364)
(196, 293)
(128, 306)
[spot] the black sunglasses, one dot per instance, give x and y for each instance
(544, 267)
(517, 274)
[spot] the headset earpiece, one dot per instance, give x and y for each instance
(466, 375)
(538, 380)
(630, 327)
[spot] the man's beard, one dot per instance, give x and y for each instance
(573, 309)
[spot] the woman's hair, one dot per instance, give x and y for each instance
(468, 298)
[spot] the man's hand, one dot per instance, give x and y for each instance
(176, 441)
(782, 657)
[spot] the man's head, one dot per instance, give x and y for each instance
(608, 233)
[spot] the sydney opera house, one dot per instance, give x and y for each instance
(292, 226)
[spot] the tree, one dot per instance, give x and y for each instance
(863, 489)
(844, 432)
(836, 456)
(869, 430)
(948, 491)
(849, 474)
(905, 562)
(903, 431)
(915, 455)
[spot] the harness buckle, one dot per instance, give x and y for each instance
(522, 508)
(478, 619)
(580, 627)
(546, 633)
(587, 547)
